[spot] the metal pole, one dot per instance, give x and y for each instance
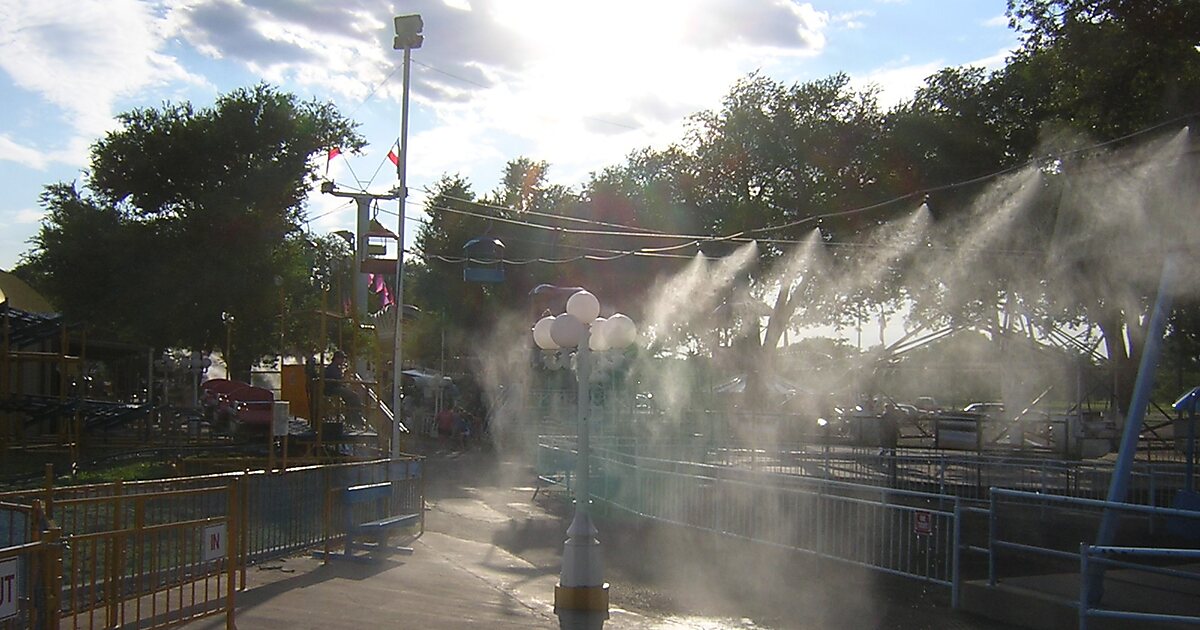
(1189, 483)
(401, 195)
(582, 569)
(1119, 485)
(360, 255)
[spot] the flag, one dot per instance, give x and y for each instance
(334, 152)
(386, 298)
(393, 156)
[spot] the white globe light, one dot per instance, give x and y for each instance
(583, 306)
(598, 340)
(620, 331)
(566, 331)
(541, 334)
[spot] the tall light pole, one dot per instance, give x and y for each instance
(581, 584)
(408, 36)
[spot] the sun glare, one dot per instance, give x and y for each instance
(605, 51)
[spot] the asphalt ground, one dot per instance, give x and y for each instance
(491, 555)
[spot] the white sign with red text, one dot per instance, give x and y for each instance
(922, 523)
(8, 589)
(212, 542)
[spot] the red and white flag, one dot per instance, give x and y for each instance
(334, 152)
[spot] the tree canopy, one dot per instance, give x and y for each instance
(188, 214)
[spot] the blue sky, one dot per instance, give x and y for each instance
(577, 83)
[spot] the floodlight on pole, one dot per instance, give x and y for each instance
(408, 36)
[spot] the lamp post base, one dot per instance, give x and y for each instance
(582, 598)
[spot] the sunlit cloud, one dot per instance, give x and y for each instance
(83, 56)
(851, 20)
(897, 83)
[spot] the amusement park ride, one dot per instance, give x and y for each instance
(76, 401)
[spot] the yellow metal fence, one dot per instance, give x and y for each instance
(153, 554)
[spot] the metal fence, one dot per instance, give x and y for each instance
(153, 554)
(29, 583)
(1055, 545)
(1138, 560)
(855, 507)
(950, 473)
(900, 532)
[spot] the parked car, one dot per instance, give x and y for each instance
(985, 408)
(927, 404)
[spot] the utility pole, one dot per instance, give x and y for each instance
(364, 201)
(408, 36)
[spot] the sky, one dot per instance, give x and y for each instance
(577, 83)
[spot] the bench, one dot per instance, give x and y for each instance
(379, 495)
(554, 468)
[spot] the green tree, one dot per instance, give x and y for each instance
(191, 213)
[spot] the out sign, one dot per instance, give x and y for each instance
(8, 589)
(212, 543)
(922, 523)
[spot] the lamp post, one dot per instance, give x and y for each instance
(581, 584)
(408, 36)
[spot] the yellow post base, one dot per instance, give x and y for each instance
(586, 598)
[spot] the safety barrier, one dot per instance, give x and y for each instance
(955, 473)
(896, 532)
(30, 578)
(151, 554)
(1092, 556)
(162, 567)
(915, 534)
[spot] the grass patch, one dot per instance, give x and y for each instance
(135, 471)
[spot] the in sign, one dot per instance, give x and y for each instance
(922, 523)
(212, 542)
(8, 588)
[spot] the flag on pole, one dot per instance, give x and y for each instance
(394, 153)
(334, 152)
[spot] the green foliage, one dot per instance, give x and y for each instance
(1108, 67)
(190, 214)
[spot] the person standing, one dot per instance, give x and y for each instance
(336, 385)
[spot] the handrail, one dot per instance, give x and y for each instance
(1099, 503)
(1094, 553)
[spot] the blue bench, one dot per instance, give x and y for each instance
(379, 495)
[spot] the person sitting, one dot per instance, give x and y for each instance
(336, 385)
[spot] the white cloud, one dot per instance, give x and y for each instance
(82, 56)
(995, 61)
(74, 153)
(898, 83)
(21, 154)
(852, 20)
(27, 216)
(566, 81)
(1000, 21)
